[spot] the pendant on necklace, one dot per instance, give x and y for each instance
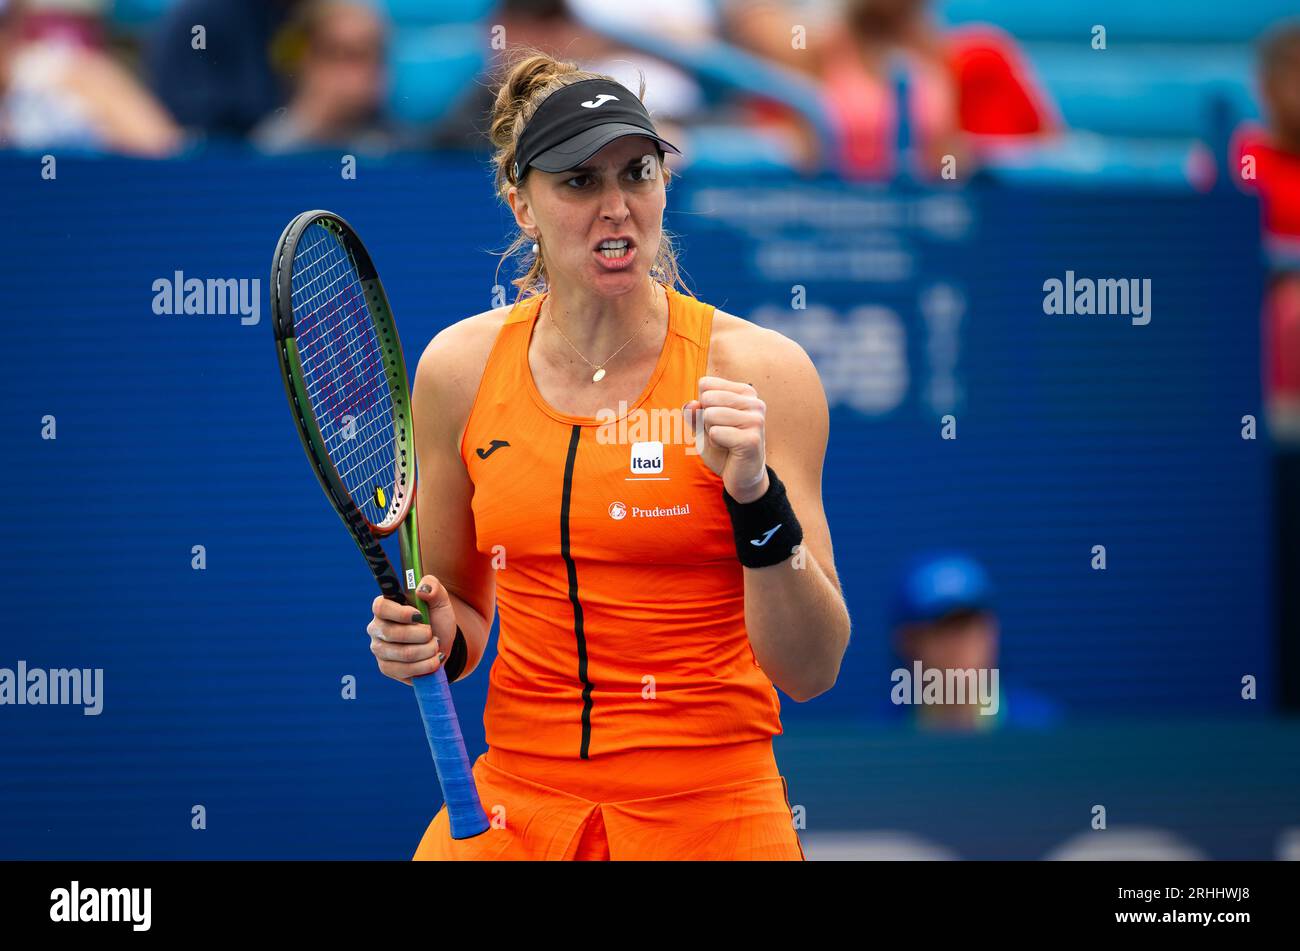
(598, 375)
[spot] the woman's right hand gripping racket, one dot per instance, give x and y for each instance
(346, 378)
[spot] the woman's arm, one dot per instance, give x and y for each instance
(124, 112)
(446, 382)
(795, 613)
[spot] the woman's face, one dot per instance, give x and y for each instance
(617, 193)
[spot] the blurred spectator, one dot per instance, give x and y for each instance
(766, 28)
(670, 93)
(1266, 159)
(944, 618)
(1281, 341)
(341, 83)
(959, 84)
(8, 43)
(75, 22)
(548, 26)
(1275, 146)
(229, 85)
(56, 91)
(543, 25)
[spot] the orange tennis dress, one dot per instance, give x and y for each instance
(627, 716)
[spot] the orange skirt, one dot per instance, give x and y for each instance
(711, 803)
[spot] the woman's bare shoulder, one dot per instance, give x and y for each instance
(742, 350)
(459, 352)
(452, 365)
(471, 334)
(786, 380)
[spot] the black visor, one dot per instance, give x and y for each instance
(576, 121)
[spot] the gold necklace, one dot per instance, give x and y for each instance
(599, 367)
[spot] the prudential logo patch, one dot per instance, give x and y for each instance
(618, 511)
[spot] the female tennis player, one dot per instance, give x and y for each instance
(654, 582)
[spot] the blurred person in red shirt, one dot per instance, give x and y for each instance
(76, 22)
(1266, 160)
(964, 86)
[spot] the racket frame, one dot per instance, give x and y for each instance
(464, 808)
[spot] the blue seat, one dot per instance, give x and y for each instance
(1091, 160)
(134, 14)
(729, 148)
(1126, 21)
(405, 13)
(433, 68)
(1145, 90)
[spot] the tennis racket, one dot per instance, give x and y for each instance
(343, 370)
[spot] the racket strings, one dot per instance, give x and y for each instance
(343, 335)
(344, 371)
(338, 313)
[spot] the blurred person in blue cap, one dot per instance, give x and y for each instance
(945, 627)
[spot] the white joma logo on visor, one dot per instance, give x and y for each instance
(599, 101)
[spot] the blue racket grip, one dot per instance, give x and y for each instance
(448, 746)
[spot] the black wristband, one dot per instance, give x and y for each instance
(766, 530)
(454, 665)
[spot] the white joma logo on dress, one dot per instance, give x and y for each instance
(767, 536)
(599, 101)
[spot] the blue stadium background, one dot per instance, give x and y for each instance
(223, 685)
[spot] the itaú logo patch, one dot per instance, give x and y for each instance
(647, 458)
